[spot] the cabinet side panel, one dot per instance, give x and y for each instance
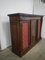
(19, 30)
(14, 35)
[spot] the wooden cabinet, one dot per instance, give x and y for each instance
(25, 31)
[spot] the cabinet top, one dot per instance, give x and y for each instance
(25, 14)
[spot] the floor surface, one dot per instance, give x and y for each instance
(36, 53)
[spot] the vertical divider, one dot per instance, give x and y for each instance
(36, 30)
(30, 31)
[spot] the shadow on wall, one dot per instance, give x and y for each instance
(6, 32)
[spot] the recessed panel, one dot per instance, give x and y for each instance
(33, 32)
(25, 34)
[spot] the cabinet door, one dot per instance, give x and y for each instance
(33, 32)
(25, 34)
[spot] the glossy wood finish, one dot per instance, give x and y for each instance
(25, 32)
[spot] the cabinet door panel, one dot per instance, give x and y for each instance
(33, 32)
(25, 35)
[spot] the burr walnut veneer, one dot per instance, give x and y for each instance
(25, 31)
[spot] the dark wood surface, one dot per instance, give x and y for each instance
(24, 14)
(25, 32)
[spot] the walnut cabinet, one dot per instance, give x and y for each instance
(25, 31)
